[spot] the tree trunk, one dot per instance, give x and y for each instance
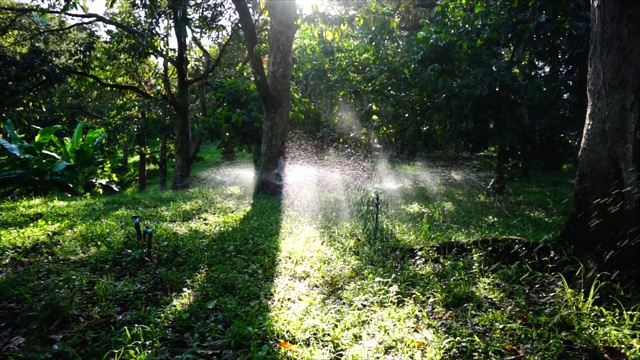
(276, 122)
(605, 218)
(274, 89)
(125, 156)
(182, 164)
(163, 156)
(195, 147)
(142, 164)
(499, 183)
(182, 170)
(446, 153)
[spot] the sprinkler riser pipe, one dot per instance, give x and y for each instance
(377, 203)
(148, 235)
(136, 225)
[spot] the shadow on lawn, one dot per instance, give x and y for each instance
(205, 293)
(227, 315)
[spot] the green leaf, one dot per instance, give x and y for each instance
(12, 174)
(47, 152)
(12, 133)
(76, 139)
(63, 148)
(99, 139)
(44, 135)
(11, 148)
(58, 167)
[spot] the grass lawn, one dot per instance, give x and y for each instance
(447, 272)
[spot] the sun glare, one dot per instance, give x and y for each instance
(307, 6)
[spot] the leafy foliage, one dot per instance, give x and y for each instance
(237, 117)
(35, 168)
(458, 76)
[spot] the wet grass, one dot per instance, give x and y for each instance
(448, 273)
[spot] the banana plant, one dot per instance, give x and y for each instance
(29, 166)
(81, 154)
(74, 168)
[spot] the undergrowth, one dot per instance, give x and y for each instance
(448, 273)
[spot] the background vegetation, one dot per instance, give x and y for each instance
(462, 117)
(414, 78)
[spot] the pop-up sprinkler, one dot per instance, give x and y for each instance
(145, 235)
(377, 205)
(136, 225)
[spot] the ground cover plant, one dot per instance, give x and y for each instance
(446, 272)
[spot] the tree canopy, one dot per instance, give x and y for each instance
(412, 78)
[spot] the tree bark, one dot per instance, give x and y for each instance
(142, 152)
(163, 154)
(274, 88)
(499, 183)
(182, 164)
(125, 156)
(142, 164)
(605, 218)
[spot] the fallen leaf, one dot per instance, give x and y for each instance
(17, 341)
(524, 317)
(514, 348)
(289, 346)
(417, 344)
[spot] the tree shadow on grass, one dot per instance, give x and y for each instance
(227, 302)
(204, 294)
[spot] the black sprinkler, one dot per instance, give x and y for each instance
(143, 236)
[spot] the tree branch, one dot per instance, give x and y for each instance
(427, 4)
(103, 83)
(90, 113)
(200, 46)
(167, 84)
(251, 39)
(48, 31)
(8, 26)
(96, 17)
(212, 66)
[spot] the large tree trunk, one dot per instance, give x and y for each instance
(605, 218)
(182, 164)
(276, 123)
(274, 88)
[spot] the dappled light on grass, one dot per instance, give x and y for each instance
(305, 276)
(344, 288)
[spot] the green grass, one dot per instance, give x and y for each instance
(237, 276)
